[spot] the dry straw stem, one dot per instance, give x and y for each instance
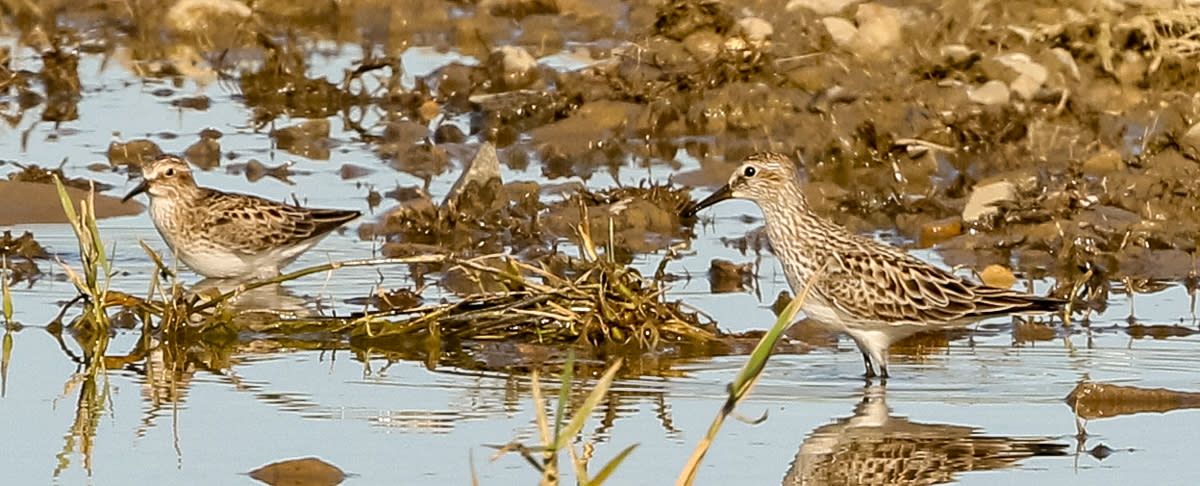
(746, 378)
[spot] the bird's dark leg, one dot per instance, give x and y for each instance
(883, 363)
(867, 361)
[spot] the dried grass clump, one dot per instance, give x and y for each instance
(597, 303)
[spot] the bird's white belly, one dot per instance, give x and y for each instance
(211, 262)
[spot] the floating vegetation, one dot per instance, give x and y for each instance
(556, 300)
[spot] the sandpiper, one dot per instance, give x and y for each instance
(876, 293)
(226, 235)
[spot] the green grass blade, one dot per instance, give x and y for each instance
(564, 394)
(4, 360)
(746, 378)
(762, 351)
(68, 206)
(539, 408)
(7, 295)
(585, 409)
(611, 467)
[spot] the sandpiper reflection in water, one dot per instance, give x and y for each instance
(875, 447)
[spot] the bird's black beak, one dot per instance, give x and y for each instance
(137, 190)
(725, 192)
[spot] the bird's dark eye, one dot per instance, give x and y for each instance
(749, 172)
(170, 172)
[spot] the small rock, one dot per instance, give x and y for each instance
(820, 7)
(982, 202)
(704, 45)
(841, 30)
(309, 138)
(308, 471)
(1132, 69)
(1029, 75)
(934, 232)
(448, 133)
(429, 110)
(725, 276)
(1189, 144)
(1108, 160)
(517, 60)
(879, 30)
(200, 102)
(781, 302)
(205, 154)
(956, 53)
(755, 30)
(200, 15)
(1066, 61)
(404, 132)
(350, 171)
(990, 94)
(997, 276)
(518, 68)
(483, 168)
(1029, 332)
(133, 152)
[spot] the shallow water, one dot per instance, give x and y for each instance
(389, 422)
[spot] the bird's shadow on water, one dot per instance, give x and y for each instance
(874, 446)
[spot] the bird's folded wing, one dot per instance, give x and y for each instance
(238, 225)
(895, 287)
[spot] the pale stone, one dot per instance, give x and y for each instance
(879, 30)
(1108, 160)
(820, 7)
(199, 15)
(1189, 144)
(1067, 61)
(990, 94)
(982, 202)
(956, 53)
(703, 44)
(516, 59)
(841, 30)
(482, 169)
(1029, 75)
(755, 30)
(998, 276)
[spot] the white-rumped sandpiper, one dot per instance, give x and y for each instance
(226, 235)
(876, 293)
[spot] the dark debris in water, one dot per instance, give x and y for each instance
(1097, 400)
(491, 217)
(19, 254)
(39, 175)
(308, 471)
